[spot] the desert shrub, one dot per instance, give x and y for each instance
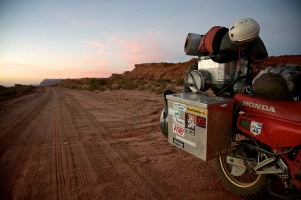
(180, 81)
(92, 81)
(141, 82)
(85, 87)
(159, 91)
(23, 88)
(73, 86)
(163, 80)
(27, 89)
(109, 86)
(147, 86)
(20, 89)
(116, 86)
(102, 81)
(66, 85)
(94, 87)
(152, 89)
(169, 87)
(130, 86)
(102, 88)
(2, 88)
(122, 82)
(162, 85)
(7, 93)
(89, 88)
(141, 87)
(119, 86)
(144, 87)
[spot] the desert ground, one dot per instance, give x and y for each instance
(59, 143)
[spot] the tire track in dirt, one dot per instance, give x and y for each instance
(83, 145)
(138, 176)
(12, 171)
(127, 172)
(87, 129)
(52, 176)
(58, 164)
(12, 123)
(77, 164)
(39, 153)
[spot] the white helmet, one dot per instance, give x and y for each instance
(244, 31)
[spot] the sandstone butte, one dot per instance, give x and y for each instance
(174, 71)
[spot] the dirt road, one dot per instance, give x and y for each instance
(65, 144)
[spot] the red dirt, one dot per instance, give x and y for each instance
(66, 144)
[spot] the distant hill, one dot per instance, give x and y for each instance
(164, 70)
(49, 82)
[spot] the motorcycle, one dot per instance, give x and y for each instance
(253, 140)
(265, 142)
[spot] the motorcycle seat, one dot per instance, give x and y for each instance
(284, 109)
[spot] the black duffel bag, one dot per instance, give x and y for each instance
(281, 82)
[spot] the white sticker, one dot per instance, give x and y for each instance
(179, 106)
(174, 112)
(178, 121)
(186, 141)
(255, 128)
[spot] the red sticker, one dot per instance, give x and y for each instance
(178, 130)
(201, 122)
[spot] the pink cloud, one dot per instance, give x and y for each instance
(97, 44)
(140, 50)
(34, 47)
(102, 52)
(129, 46)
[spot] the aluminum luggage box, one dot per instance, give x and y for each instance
(199, 124)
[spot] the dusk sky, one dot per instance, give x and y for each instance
(95, 38)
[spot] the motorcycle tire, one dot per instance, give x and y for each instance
(250, 190)
(246, 185)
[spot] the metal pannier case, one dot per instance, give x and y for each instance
(199, 124)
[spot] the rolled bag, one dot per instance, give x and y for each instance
(281, 82)
(216, 43)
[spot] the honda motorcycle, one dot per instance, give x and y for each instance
(259, 142)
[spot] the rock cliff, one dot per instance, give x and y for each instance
(174, 71)
(164, 70)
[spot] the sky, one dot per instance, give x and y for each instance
(95, 38)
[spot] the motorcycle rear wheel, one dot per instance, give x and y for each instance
(247, 185)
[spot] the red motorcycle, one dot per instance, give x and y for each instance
(267, 142)
(220, 115)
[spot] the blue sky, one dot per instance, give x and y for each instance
(95, 38)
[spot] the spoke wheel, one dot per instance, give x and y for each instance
(245, 185)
